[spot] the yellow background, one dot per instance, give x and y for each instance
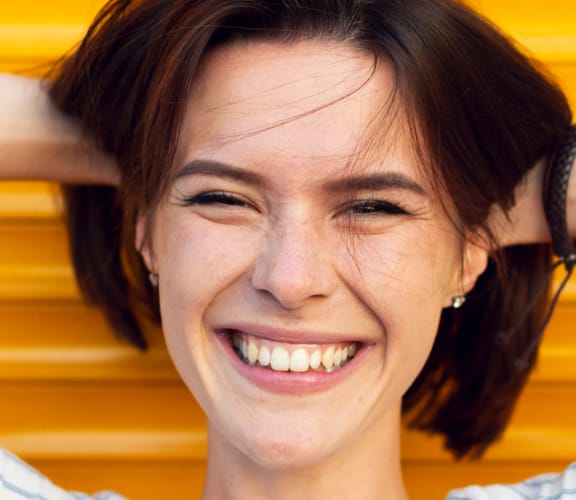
(93, 413)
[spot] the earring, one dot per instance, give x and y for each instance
(458, 301)
(153, 277)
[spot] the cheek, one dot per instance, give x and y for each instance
(412, 267)
(197, 262)
(405, 286)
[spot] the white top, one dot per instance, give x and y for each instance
(19, 481)
(543, 487)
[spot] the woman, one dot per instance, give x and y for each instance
(297, 180)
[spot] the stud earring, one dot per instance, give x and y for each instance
(458, 301)
(153, 277)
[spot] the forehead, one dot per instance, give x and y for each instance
(299, 104)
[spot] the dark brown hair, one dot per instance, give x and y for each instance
(481, 113)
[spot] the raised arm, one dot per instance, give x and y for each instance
(527, 221)
(37, 142)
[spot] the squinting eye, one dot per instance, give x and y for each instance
(376, 207)
(215, 198)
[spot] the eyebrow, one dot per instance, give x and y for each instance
(217, 169)
(376, 182)
(370, 182)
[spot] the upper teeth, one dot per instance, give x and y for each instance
(294, 358)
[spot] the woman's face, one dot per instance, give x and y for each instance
(301, 278)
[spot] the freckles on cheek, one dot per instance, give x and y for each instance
(390, 268)
(196, 257)
(412, 269)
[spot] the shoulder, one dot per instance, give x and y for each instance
(18, 481)
(543, 487)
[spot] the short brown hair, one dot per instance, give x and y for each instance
(482, 115)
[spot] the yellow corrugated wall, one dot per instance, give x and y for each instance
(95, 414)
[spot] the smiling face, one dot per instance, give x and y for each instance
(301, 279)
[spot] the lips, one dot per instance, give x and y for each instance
(291, 361)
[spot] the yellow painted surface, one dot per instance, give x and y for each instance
(530, 17)
(85, 408)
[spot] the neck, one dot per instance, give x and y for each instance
(368, 469)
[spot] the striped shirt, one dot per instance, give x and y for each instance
(544, 487)
(19, 481)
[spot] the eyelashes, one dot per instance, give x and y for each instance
(376, 207)
(355, 208)
(215, 198)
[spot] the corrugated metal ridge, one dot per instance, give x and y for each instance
(36, 42)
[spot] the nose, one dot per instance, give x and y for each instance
(295, 265)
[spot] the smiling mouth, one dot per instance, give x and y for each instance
(283, 357)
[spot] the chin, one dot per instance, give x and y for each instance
(285, 448)
(287, 455)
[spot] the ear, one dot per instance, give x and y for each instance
(474, 261)
(143, 243)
